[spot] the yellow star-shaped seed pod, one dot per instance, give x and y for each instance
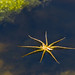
(45, 47)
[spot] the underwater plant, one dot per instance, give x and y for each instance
(45, 47)
(7, 7)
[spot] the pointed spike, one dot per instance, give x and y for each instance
(46, 38)
(37, 40)
(30, 46)
(42, 56)
(56, 42)
(60, 47)
(52, 56)
(32, 52)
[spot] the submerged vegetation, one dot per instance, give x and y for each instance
(7, 7)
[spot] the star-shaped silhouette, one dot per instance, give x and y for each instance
(45, 47)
